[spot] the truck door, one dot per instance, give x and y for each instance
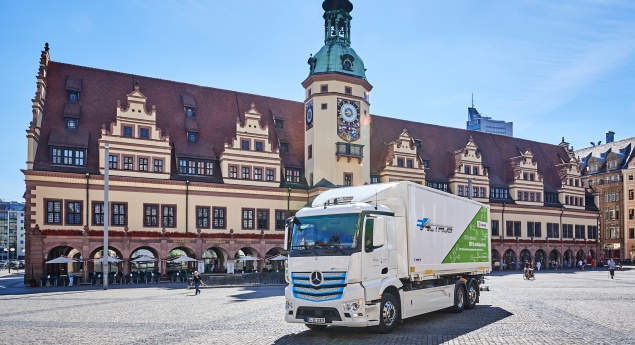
(375, 251)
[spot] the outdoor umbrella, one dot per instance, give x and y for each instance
(61, 260)
(248, 258)
(279, 258)
(144, 259)
(183, 259)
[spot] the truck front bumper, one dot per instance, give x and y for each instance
(332, 312)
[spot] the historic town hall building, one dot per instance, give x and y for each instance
(213, 174)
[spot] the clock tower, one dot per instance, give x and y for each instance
(337, 108)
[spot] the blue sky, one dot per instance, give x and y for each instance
(554, 68)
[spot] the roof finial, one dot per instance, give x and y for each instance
(136, 85)
(46, 46)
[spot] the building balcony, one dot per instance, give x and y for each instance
(349, 150)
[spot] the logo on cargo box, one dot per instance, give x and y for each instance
(482, 225)
(424, 223)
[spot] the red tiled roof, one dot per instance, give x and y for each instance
(217, 111)
(439, 143)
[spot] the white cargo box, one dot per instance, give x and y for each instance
(442, 234)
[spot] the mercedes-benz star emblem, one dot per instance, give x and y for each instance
(316, 278)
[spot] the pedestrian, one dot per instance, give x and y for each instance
(197, 283)
(538, 264)
(71, 276)
(612, 267)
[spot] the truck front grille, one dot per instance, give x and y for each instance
(331, 287)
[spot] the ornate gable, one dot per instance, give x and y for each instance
(402, 161)
(470, 177)
(250, 158)
(136, 145)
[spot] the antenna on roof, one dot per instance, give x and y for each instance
(472, 100)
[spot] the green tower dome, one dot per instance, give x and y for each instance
(337, 56)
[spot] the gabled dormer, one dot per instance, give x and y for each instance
(136, 146)
(250, 158)
(469, 178)
(402, 161)
(571, 193)
(526, 185)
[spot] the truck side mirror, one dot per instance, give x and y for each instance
(379, 233)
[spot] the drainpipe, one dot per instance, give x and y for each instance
(561, 231)
(87, 201)
(187, 193)
(289, 202)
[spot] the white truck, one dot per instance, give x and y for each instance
(376, 254)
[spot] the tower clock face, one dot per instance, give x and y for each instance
(308, 115)
(348, 119)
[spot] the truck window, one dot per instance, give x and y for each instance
(368, 234)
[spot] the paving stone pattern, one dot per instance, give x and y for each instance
(562, 307)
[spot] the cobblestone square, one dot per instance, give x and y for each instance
(559, 307)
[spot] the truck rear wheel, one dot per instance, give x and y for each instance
(388, 313)
(472, 295)
(459, 298)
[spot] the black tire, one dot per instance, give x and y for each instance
(459, 298)
(313, 327)
(472, 295)
(388, 313)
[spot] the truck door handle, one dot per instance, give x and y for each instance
(384, 270)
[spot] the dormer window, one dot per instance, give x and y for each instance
(284, 147)
(189, 112)
(278, 123)
(73, 96)
(71, 123)
(192, 137)
(127, 131)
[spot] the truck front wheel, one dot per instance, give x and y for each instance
(389, 313)
(459, 298)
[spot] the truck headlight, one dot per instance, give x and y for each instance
(353, 306)
(288, 305)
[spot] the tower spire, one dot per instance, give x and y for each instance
(337, 21)
(472, 100)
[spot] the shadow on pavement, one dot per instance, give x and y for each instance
(416, 328)
(256, 292)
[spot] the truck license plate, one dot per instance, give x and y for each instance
(315, 320)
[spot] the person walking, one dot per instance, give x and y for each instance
(197, 283)
(71, 277)
(612, 267)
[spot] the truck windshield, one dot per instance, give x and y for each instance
(336, 231)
